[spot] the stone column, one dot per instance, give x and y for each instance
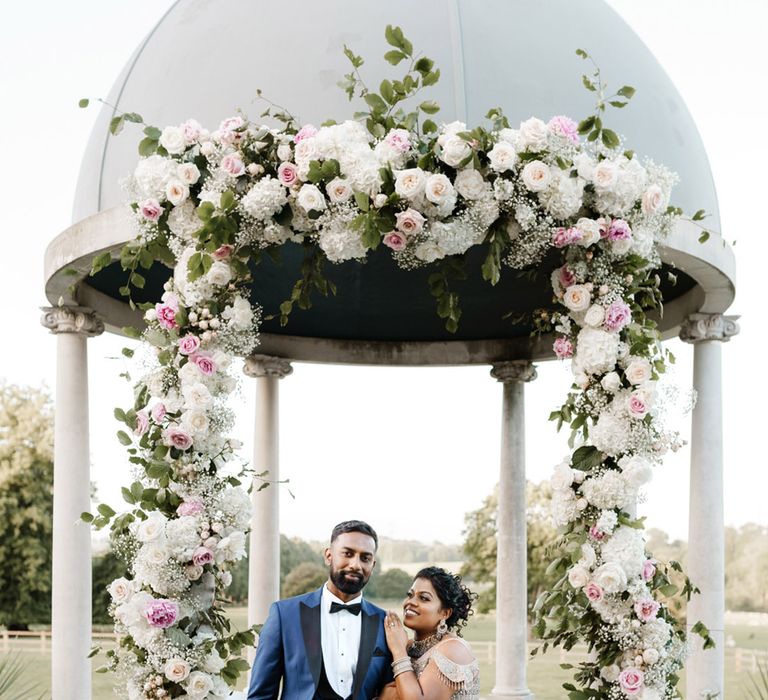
(71, 585)
(264, 553)
(511, 558)
(706, 568)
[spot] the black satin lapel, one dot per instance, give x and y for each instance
(368, 632)
(310, 627)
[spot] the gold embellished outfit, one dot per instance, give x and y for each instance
(463, 678)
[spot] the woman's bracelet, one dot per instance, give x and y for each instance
(401, 666)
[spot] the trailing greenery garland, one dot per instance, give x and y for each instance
(209, 204)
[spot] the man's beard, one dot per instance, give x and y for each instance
(345, 585)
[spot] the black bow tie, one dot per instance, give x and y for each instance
(354, 608)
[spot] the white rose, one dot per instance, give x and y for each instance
(196, 395)
(307, 150)
(121, 590)
(577, 297)
(410, 183)
(338, 190)
(611, 382)
(176, 192)
(611, 577)
(588, 556)
(578, 577)
(310, 197)
(176, 670)
(585, 165)
(193, 572)
(438, 189)
(213, 663)
(449, 130)
(199, 684)
(590, 232)
(469, 184)
(226, 579)
(428, 251)
(604, 175)
(172, 140)
(455, 150)
(637, 471)
(284, 151)
(610, 673)
(650, 656)
(536, 176)
(638, 370)
(595, 316)
(653, 200)
(533, 135)
(502, 157)
(195, 421)
(188, 173)
(152, 528)
(219, 274)
(562, 477)
(509, 135)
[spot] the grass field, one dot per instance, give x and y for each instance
(545, 677)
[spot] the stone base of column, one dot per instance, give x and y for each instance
(517, 694)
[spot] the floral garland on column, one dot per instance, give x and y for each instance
(209, 203)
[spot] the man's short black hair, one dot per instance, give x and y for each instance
(355, 526)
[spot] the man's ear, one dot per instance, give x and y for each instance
(327, 556)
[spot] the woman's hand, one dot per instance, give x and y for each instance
(389, 692)
(397, 639)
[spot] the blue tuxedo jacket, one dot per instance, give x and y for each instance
(290, 651)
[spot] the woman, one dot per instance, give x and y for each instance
(438, 664)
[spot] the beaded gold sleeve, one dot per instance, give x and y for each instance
(456, 676)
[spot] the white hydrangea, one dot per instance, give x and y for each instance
(655, 633)
(609, 490)
(183, 220)
(607, 521)
(182, 536)
(564, 508)
(596, 350)
(235, 507)
(265, 199)
(610, 434)
(626, 547)
(617, 196)
(564, 196)
(339, 242)
(152, 175)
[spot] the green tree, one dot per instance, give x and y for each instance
(26, 505)
(105, 569)
(304, 578)
(392, 583)
(480, 544)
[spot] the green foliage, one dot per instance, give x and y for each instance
(12, 685)
(26, 505)
(105, 569)
(312, 280)
(389, 584)
(304, 578)
(758, 683)
(451, 268)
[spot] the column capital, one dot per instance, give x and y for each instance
(267, 366)
(72, 319)
(699, 327)
(513, 371)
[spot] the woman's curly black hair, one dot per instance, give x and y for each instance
(452, 593)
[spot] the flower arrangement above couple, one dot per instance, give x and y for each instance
(331, 644)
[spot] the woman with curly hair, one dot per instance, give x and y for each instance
(437, 664)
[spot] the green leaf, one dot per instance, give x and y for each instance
(394, 57)
(610, 138)
(375, 102)
(86, 517)
(138, 280)
(616, 103)
(586, 125)
(363, 201)
(699, 215)
(582, 53)
(116, 125)
(429, 127)
(586, 457)
(101, 261)
(429, 107)
(424, 65)
(627, 91)
(668, 590)
(588, 83)
(133, 117)
(356, 61)
(123, 437)
(127, 495)
(385, 88)
(704, 237)
(153, 132)
(431, 78)
(83, 103)
(131, 332)
(105, 510)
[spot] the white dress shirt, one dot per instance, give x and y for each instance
(340, 640)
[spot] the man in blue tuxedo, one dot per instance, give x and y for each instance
(328, 644)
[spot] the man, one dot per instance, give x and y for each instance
(328, 644)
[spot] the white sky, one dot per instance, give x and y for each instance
(410, 450)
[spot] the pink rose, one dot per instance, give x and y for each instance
(161, 613)
(223, 252)
(176, 437)
(202, 556)
(166, 316)
(204, 363)
(191, 130)
(565, 127)
(231, 123)
(637, 405)
(566, 236)
(307, 131)
(565, 276)
(142, 423)
(619, 230)
(150, 209)
(646, 609)
(617, 316)
(399, 140)
(593, 591)
(409, 222)
(603, 225)
(596, 534)
(395, 240)
(233, 165)
(189, 344)
(158, 412)
(563, 348)
(649, 570)
(288, 174)
(631, 680)
(192, 506)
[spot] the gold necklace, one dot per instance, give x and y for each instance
(418, 647)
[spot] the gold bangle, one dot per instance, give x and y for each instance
(399, 671)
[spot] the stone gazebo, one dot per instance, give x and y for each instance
(202, 60)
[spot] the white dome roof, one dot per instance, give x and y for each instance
(205, 59)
